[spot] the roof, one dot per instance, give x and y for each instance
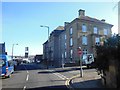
(60, 28)
(45, 42)
(92, 19)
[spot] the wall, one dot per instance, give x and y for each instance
(111, 75)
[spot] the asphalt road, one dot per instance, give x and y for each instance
(32, 76)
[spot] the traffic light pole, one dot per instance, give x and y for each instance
(80, 54)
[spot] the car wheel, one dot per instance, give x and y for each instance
(8, 76)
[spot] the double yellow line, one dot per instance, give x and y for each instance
(67, 83)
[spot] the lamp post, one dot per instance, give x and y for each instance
(13, 49)
(48, 42)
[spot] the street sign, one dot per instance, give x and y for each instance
(79, 51)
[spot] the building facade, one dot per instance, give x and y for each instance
(51, 48)
(62, 49)
(45, 51)
(84, 32)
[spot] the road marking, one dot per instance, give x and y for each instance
(67, 83)
(27, 77)
(60, 76)
(24, 87)
(27, 71)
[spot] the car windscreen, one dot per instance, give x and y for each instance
(10, 63)
(2, 62)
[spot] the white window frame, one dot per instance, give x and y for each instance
(84, 40)
(65, 45)
(85, 51)
(65, 37)
(95, 30)
(71, 41)
(65, 54)
(105, 31)
(97, 40)
(71, 30)
(71, 53)
(84, 28)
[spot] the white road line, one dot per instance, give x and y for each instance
(27, 77)
(27, 72)
(24, 87)
(60, 76)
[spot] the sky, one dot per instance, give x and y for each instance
(21, 21)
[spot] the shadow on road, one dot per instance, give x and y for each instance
(60, 70)
(29, 67)
(89, 84)
(60, 87)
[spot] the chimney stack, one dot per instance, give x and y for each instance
(81, 12)
(103, 20)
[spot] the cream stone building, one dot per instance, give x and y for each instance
(84, 32)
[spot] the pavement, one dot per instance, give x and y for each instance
(89, 80)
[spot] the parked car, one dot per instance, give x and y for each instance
(6, 65)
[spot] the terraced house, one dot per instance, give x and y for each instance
(84, 32)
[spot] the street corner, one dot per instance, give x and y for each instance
(69, 82)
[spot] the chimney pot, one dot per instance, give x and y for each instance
(103, 20)
(81, 12)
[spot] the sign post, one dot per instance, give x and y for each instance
(80, 54)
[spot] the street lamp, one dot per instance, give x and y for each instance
(13, 49)
(48, 41)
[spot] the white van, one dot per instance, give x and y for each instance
(87, 59)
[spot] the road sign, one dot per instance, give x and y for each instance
(79, 51)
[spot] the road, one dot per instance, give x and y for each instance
(33, 76)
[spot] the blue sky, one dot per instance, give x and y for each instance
(21, 21)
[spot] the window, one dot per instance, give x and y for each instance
(2, 62)
(71, 53)
(71, 42)
(84, 28)
(105, 32)
(65, 45)
(95, 30)
(65, 37)
(97, 40)
(84, 51)
(71, 30)
(84, 40)
(65, 55)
